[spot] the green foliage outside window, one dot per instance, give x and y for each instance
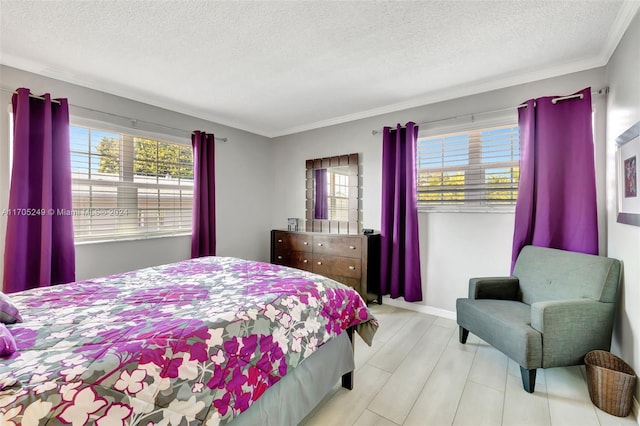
(151, 158)
(109, 150)
(506, 187)
(432, 182)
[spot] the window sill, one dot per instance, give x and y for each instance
(490, 210)
(131, 238)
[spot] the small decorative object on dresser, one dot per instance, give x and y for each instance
(292, 223)
(353, 260)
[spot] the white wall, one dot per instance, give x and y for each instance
(623, 110)
(244, 184)
(454, 246)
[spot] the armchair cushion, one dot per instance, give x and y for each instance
(505, 325)
(551, 274)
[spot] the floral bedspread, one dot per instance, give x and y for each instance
(194, 342)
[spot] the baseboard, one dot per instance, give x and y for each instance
(418, 307)
(635, 410)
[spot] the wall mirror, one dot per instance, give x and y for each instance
(333, 195)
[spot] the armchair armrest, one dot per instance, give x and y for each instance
(503, 288)
(571, 328)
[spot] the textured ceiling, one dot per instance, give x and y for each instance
(278, 67)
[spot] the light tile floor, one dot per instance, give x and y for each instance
(417, 373)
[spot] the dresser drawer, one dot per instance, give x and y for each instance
(295, 259)
(354, 283)
(289, 241)
(338, 246)
(353, 260)
(336, 265)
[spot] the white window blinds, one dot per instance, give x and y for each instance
(129, 187)
(471, 169)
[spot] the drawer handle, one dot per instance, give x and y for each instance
(280, 241)
(279, 257)
(353, 268)
(305, 261)
(319, 263)
(320, 244)
(352, 247)
(306, 243)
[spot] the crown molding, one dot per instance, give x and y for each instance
(625, 15)
(496, 83)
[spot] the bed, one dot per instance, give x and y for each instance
(213, 340)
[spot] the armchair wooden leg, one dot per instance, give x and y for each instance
(528, 379)
(462, 335)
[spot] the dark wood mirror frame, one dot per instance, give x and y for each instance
(354, 224)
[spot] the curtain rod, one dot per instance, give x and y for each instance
(603, 91)
(132, 120)
(34, 97)
(135, 120)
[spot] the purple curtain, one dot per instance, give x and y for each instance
(203, 234)
(322, 201)
(556, 205)
(39, 249)
(400, 254)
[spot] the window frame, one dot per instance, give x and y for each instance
(338, 196)
(471, 125)
(131, 135)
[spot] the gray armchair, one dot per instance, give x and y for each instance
(557, 306)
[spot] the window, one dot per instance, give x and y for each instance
(471, 169)
(129, 187)
(338, 195)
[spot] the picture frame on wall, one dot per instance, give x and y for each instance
(627, 174)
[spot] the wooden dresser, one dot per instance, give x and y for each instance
(353, 260)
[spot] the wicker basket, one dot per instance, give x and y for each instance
(611, 382)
